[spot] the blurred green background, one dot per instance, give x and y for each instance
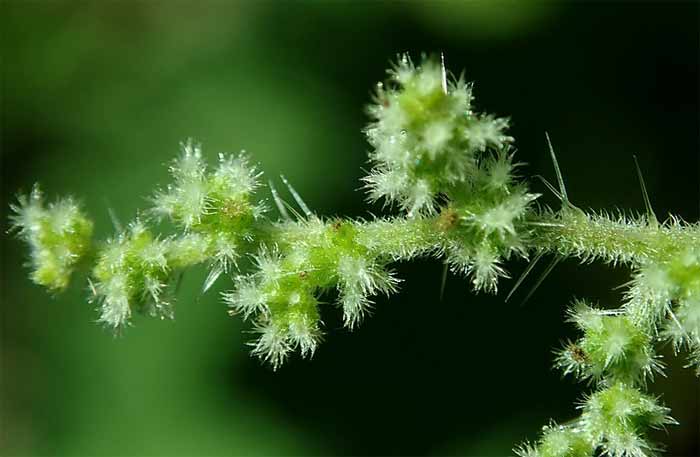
(95, 99)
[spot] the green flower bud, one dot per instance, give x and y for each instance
(426, 136)
(58, 235)
(612, 347)
(559, 441)
(618, 416)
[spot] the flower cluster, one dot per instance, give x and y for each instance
(612, 348)
(433, 153)
(58, 235)
(132, 271)
(485, 222)
(616, 419)
(613, 420)
(426, 136)
(136, 268)
(217, 206)
(308, 258)
(559, 441)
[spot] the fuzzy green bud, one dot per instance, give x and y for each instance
(132, 273)
(612, 347)
(617, 418)
(426, 136)
(216, 205)
(58, 234)
(559, 441)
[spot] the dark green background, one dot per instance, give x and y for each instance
(96, 97)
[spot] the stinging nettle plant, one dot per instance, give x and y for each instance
(451, 172)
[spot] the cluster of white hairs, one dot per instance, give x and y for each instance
(451, 173)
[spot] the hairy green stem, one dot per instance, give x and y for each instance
(591, 236)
